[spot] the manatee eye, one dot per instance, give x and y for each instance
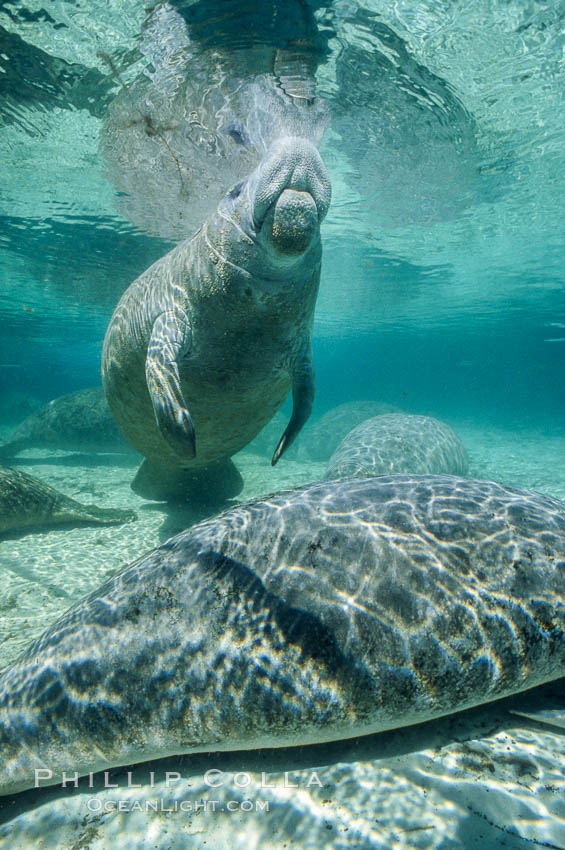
(236, 191)
(236, 131)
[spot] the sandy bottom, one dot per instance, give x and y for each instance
(484, 779)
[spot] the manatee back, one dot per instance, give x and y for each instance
(398, 442)
(320, 438)
(78, 421)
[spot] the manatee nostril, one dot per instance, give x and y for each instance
(236, 191)
(236, 131)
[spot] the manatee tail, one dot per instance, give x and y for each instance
(206, 485)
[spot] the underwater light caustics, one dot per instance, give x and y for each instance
(330, 611)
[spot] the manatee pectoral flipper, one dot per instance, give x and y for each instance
(551, 717)
(302, 399)
(171, 339)
(26, 501)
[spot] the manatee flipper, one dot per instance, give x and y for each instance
(171, 339)
(206, 485)
(551, 717)
(302, 399)
(544, 705)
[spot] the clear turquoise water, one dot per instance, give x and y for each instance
(442, 287)
(442, 282)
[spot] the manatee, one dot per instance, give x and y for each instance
(26, 501)
(79, 422)
(321, 613)
(398, 442)
(204, 346)
(202, 119)
(323, 436)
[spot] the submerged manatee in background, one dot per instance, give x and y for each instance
(204, 346)
(77, 422)
(334, 610)
(322, 437)
(398, 442)
(26, 501)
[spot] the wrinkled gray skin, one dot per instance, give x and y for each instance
(26, 501)
(398, 442)
(77, 422)
(205, 345)
(334, 610)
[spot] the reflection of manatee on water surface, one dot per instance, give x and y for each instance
(204, 346)
(223, 82)
(330, 611)
(26, 502)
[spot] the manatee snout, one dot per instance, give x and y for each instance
(294, 222)
(292, 186)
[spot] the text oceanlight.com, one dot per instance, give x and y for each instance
(94, 804)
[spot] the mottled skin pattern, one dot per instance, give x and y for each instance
(78, 422)
(398, 442)
(26, 501)
(325, 612)
(206, 344)
(322, 437)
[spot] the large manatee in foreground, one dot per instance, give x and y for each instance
(331, 611)
(204, 346)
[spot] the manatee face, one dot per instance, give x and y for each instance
(283, 202)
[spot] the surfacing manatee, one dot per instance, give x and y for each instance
(26, 501)
(398, 442)
(77, 422)
(331, 611)
(204, 110)
(204, 347)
